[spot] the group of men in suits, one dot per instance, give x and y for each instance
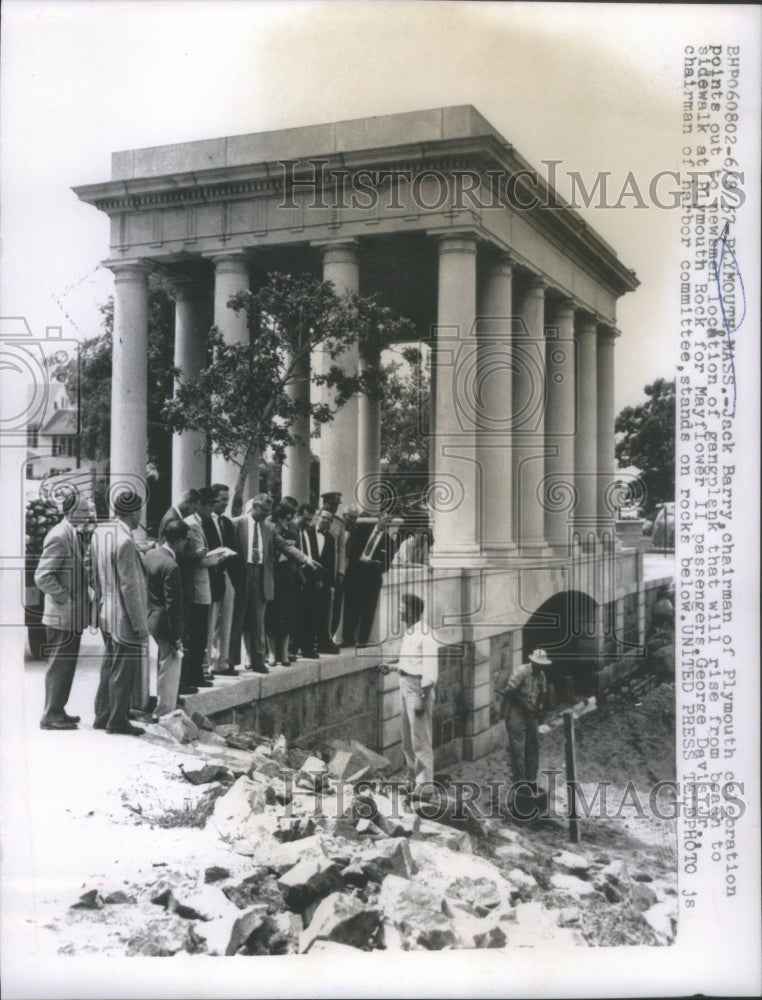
(216, 593)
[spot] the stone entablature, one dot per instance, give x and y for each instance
(275, 189)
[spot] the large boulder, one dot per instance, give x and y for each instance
(309, 880)
(345, 920)
(415, 911)
(239, 816)
(386, 857)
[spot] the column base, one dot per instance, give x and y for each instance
(457, 560)
(534, 547)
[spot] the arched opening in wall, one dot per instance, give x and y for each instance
(566, 626)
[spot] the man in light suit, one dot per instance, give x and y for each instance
(62, 576)
(119, 584)
(259, 544)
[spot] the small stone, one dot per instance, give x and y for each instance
(344, 763)
(568, 917)
(294, 828)
(179, 726)
(168, 900)
(611, 893)
(202, 721)
(571, 885)
(641, 897)
(642, 877)
(206, 774)
(215, 873)
(90, 900)
(118, 897)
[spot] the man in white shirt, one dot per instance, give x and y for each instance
(418, 667)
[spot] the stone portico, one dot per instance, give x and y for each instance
(437, 214)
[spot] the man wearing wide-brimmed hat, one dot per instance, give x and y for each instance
(523, 700)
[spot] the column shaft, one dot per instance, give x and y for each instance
(129, 377)
(529, 401)
(296, 468)
(338, 439)
(189, 448)
(495, 385)
(231, 275)
(606, 417)
(560, 427)
(456, 487)
(586, 446)
(368, 432)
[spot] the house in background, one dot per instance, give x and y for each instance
(53, 439)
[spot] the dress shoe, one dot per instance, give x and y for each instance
(329, 647)
(259, 670)
(99, 725)
(284, 663)
(71, 718)
(127, 730)
(188, 689)
(205, 683)
(311, 654)
(57, 724)
(229, 672)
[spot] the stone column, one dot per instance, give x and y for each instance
(191, 321)
(606, 417)
(456, 487)
(368, 431)
(296, 469)
(338, 439)
(231, 275)
(586, 444)
(560, 427)
(129, 377)
(495, 382)
(529, 401)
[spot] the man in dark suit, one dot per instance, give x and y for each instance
(374, 560)
(166, 605)
(197, 563)
(62, 576)
(118, 578)
(186, 504)
(217, 575)
(259, 543)
(309, 584)
(326, 544)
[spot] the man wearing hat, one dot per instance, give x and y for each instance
(523, 700)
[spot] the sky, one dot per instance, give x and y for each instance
(80, 80)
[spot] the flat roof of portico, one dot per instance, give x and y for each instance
(459, 122)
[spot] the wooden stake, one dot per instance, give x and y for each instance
(571, 776)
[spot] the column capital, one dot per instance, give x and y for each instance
(128, 270)
(586, 323)
(338, 251)
(536, 284)
(232, 262)
(183, 287)
(502, 263)
(566, 305)
(456, 242)
(608, 333)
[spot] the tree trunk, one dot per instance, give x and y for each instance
(249, 464)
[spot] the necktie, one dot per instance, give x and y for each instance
(255, 553)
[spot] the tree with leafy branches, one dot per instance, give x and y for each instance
(646, 440)
(244, 398)
(405, 426)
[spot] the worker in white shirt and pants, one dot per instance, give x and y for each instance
(418, 669)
